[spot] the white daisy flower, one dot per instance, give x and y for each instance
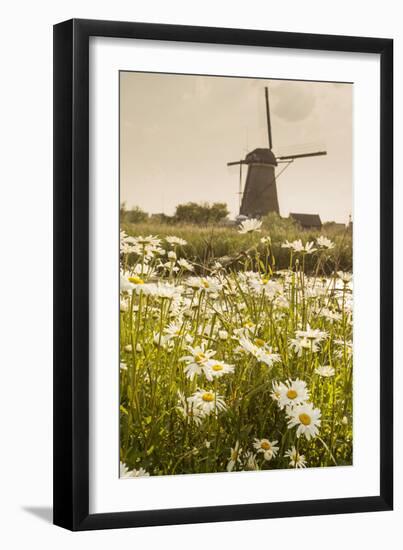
(313, 335)
(184, 264)
(173, 330)
(223, 334)
(234, 457)
(125, 473)
(297, 246)
(326, 371)
(250, 226)
(172, 255)
(216, 369)
(172, 240)
(208, 401)
(250, 462)
(198, 360)
(298, 345)
(345, 276)
(208, 284)
(296, 460)
(306, 418)
(189, 411)
(263, 353)
(268, 448)
(324, 242)
(293, 392)
(265, 240)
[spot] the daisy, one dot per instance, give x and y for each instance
(125, 284)
(208, 401)
(198, 360)
(250, 226)
(293, 392)
(216, 369)
(314, 335)
(324, 242)
(263, 353)
(234, 457)
(172, 240)
(296, 460)
(268, 448)
(306, 418)
(184, 264)
(298, 345)
(163, 290)
(266, 285)
(250, 462)
(223, 334)
(308, 248)
(173, 330)
(326, 371)
(125, 473)
(188, 411)
(208, 284)
(265, 240)
(172, 255)
(345, 277)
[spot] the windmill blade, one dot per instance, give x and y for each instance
(266, 93)
(236, 162)
(303, 155)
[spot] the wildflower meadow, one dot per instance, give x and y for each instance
(233, 367)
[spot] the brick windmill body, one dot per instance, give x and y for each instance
(259, 196)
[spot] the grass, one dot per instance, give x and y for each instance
(241, 366)
(210, 243)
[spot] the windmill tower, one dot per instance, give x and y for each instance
(260, 194)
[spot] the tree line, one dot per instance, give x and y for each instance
(190, 212)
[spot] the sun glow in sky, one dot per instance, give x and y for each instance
(177, 133)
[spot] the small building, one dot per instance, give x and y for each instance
(307, 221)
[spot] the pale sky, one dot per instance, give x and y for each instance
(178, 132)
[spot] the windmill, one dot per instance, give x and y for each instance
(260, 194)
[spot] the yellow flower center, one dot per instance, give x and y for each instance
(136, 280)
(265, 280)
(291, 394)
(205, 283)
(200, 357)
(265, 445)
(217, 367)
(305, 419)
(249, 324)
(208, 396)
(259, 342)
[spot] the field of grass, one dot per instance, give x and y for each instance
(210, 243)
(235, 350)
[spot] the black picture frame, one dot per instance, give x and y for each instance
(71, 273)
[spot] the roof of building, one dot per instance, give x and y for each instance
(307, 220)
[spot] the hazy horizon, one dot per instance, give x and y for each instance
(177, 133)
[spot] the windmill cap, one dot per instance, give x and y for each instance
(261, 156)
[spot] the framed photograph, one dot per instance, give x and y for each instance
(223, 204)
